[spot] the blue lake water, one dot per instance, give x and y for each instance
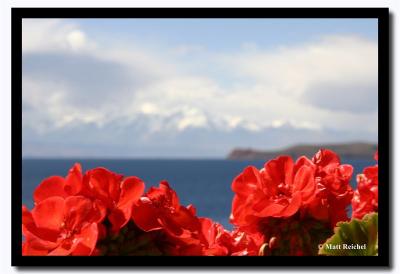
(204, 183)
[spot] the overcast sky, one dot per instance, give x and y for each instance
(195, 88)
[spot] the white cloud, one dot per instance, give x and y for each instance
(192, 117)
(277, 123)
(50, 35)
(298, 72)
(46, 108)
(188, 49)
(72, 80)
(76, 39)
(149, 108)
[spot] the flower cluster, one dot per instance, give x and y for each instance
(70, 213)
(365, 199)
(318, 188)
(103, 213)
(286, 208)
(296, 203)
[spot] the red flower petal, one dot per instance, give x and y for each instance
(165, 194)
(49, 213)
(131, 190)
(87, 240)
(145, 215)
(41, 242)
(52, 186)
(27, 219)
(77, 212)
(365, 199)
(206, 229)
(346, 171)
(371, 172)
(192, 209)
(80, 244)
(73, 181)
(28, 250)
(171, 227)
(185, 219)
(277, 171)
(118, 218)
(99, 212)
(266, 208)
(326, 158)
(293, 206)
(303, 161)
(102, 184)
(305, 184)
(247, 181)
(63, 249)
(241, 214)
(36, 238)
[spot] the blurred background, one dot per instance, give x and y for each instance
(195, 101)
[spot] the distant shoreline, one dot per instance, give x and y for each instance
(357, 150)
(347, 150)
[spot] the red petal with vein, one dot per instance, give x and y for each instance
(77, 211)
(247, 181)
(304, 183)
(102, 184)
(279, 170)
(145, 215)
(87, 240)
(49, 214)
(100, 211)
(185, 219)
(293, 206)
(131, 190)
(38, 238)
(49, 187)
(326, 159)
(73, 181)
(63, 250)
(266, 208)
(28, 250)
(40, 242)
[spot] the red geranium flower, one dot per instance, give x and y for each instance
(216, 240)
(160, 209)
(278, 190)
(334, 192)
(58, 226)
(246, 244)
(112, 194)
(365, 198)
(59, 186)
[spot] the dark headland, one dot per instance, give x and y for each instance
(348, 150)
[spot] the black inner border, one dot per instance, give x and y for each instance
(382, 14)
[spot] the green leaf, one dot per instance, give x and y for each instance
(354, 238)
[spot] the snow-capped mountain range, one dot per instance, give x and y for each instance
(187, 133)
